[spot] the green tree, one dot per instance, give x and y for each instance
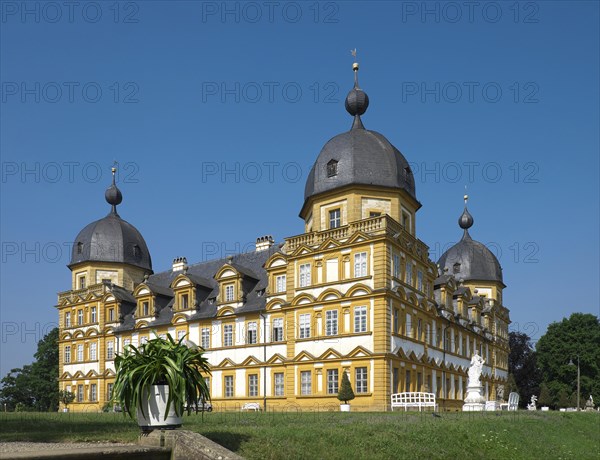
(545, 398)
(66, 397)
(345, 392)
(511, 385)
(34, 386)
(563, 398)
(579, 335)
(522, 364)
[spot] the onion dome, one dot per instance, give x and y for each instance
(470, 260)
(359, 156)
(111, 239)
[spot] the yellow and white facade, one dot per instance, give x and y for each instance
(356, 293)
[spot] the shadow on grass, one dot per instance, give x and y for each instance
(229, 440)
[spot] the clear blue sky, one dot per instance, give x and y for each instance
(498, 97)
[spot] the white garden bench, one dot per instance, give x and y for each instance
(414, 399)
(251, 406)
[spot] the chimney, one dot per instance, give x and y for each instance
(179, 264)
(264, 242)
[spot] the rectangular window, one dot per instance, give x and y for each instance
(408, 273)
(279, 385)
(93, 315)
(109, 390)
(253, 385)
(79, 317)
(93, 392)
(143, 340)
(93, 351)
(68, 319)
(110, 350)
(374, 214)
(408, 325)
(79, 393)
(396, 265)
(395, 380)
(180, 335)
(111, 314)
(334, 218)
(396, 320)
(277, 330)
(126, 343)
(229, 293)
(305, 275)
(82, 282)
(331, 322)
(407, 381)
(419, 329)
(305, 326)
(361, 380)
(79, 353)
(360, 319)
(420, 280)
(228, 335)
(145, 308)
(252, 332)
(205, 338)
(332, 381)
(185, 301)
(229, 386)
(305, 383)
(280, 283)
(360, 264)
(67, 354)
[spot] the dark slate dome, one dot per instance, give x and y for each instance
(111, 239)
(359, 157)
(469, 259)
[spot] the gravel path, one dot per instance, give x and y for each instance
(12, 447)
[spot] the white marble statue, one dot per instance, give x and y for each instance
(532, 404)
(500, 393)
(477, 363)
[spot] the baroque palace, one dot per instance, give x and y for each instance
(356, 293)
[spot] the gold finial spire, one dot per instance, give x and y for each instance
(355, 64)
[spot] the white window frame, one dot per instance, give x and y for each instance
(331, 322)
(93, 352)
(277, 330)
(67, 354)
(396, 266)
(80, 317)
(280, 283)
(360, 319)
(408, 273)
(228, 335)
(93, 315)
(205, 337)
(68, 319)
(253, 385)
(110, 350)
(79, 353)
(229, 293)
(93, 392)
(279, 383)
(80, 393)
(229, 391)
(305, 275)
(360, 264)
(305, 383)
(361, 382)
(335, 218)
(252, 333)
(333, 381)
(304, 324)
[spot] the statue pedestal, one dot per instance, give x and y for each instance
(474, 402)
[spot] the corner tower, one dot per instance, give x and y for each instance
(109, 249)
(359, 174)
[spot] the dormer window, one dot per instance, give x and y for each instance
(81, 282)
(229, 293)
(79, 247)
(456, 268)
(145, 308)
(332, 168)
(136, 251)
(185, 301)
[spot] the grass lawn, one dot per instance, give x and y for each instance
(334, 435)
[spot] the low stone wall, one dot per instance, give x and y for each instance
(186, 445)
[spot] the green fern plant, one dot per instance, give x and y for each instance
(161, 362)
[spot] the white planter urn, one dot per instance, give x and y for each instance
(345, 407)
(545, 408)
(153, 415)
